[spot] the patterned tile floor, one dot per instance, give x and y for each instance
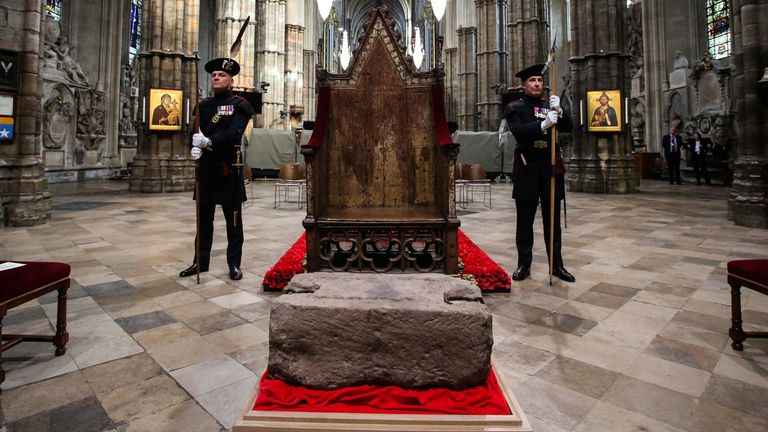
(638, 343)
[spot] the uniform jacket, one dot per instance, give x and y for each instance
(223, 119)
(531, 176)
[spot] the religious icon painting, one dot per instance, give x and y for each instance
(165, 109)
(604, 111)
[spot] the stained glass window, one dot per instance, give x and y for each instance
(53, 9)
(718, 28)
(134, 42)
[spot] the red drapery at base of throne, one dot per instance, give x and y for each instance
(488, 275)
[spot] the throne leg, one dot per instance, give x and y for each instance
(736, 332)
(62, 337)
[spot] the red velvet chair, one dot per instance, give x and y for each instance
(28, 282)
(751, 274)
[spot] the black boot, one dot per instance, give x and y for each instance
(191, 270)
(235, 273)
(563, 274)
(521, 273)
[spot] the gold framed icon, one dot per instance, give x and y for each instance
(165, 106)
(604, 110)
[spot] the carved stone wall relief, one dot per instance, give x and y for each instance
(58, 118)
(90, 127)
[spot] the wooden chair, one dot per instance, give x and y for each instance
(21, 284)
(751, 274)
(291, 177)
(462, 178)
(478, 180)
(380, 163)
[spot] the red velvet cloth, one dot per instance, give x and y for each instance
(33, 275)
(488, 275)
(487, 398)
(321, 119)
(755, 270)
(442, 134)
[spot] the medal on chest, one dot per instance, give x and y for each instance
(223, 110)
(540, 112)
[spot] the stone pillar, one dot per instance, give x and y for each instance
(270, 62)
(294, 72)
(24, 196)
(602, 162)
(491, 58)
(748, 204)
(654, 72)
(467, 78)
(167, 60)
(528, 28)
(450, 60)
(230, 16)
(308, 85)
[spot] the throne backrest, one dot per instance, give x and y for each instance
(379, 144)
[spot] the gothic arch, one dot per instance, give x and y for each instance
(399, 10)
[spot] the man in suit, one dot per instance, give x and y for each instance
(699, 149)
(531, 120)
(216, 147)
(671, 144)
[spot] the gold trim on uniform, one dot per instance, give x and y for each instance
(540, 144)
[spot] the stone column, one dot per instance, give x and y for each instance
(167, 60)
(270, 61)
(528, 30)
(748, 204)
(491, 58)
(24, 196)
(654, 72)
(450, 60)
(311, 34)
(230, 16)
(602, 161)
(467, 78)
(294, 63)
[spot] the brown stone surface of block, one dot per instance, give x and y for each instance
(379, 329)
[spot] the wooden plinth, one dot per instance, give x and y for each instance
(251, 420)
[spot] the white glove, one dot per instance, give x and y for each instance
(196, 152)
(550, 121)
(554, 103)
(200, 140)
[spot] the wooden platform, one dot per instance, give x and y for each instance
(281, 421)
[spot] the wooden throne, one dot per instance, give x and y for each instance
(380, 163)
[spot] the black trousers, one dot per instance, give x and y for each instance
(234, 233)
(673, 167)
(700, 167)
(526, 213)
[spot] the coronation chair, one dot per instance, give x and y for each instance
(21, 284)
(380, 163)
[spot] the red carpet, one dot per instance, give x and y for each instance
(485, 399)
(488, 275)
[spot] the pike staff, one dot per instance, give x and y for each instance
(553, 81)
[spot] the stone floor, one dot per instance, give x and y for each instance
(638, 343)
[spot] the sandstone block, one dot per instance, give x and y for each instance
(409, 330)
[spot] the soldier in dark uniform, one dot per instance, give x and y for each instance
(530, 120)
(216, 145)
